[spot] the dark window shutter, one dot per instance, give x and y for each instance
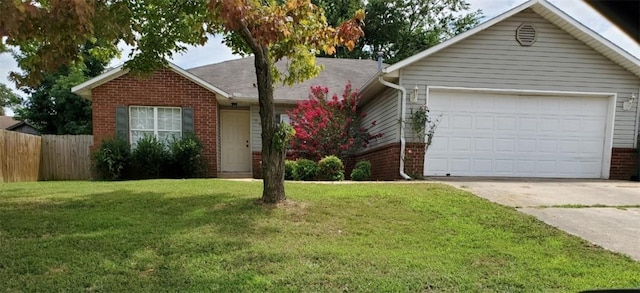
(187, 120)
(122, 123)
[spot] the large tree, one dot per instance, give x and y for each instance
(8, 98)
(51, 107)
(270, 30)
(401, 28)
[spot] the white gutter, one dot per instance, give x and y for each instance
(403, 109)
(637, 132)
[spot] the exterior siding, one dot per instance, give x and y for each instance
(555, 62)
(256, 126)
(385, 110)
(162, 88)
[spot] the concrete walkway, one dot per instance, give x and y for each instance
(603, 212)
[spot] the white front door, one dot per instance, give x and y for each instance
(234, 135)
(517, 135)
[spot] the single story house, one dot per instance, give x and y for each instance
(11, 124)
(529, 93)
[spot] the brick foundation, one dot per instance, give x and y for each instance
(164, 88)
(624, 164)
(385, 162)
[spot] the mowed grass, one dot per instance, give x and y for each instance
(209, 235)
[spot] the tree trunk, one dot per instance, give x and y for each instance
(272, 159)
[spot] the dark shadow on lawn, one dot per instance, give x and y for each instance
(136, 238)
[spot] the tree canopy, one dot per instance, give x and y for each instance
(8, 98)
(270, 30)
(51, 107)
(402, 28)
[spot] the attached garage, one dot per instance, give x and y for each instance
(529, 93)
(520, 133)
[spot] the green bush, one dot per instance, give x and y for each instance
(149, 158)
(289, 169)
(111, 161)
(331, 168)
(305, 170)
(362, 171)
(187, 160)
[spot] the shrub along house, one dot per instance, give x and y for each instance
(218, 102)
(529, 93)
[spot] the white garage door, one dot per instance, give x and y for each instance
(484, 134)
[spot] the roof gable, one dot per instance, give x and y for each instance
(548, 12)
(84, 89)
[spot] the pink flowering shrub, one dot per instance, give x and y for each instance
(329, 126)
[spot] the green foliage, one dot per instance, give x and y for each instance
(402, 28)
(289, 169)
(149, 158)
(305, 170)
(51, 106)
(187, 160)
(331, 168)
(7, 98)
(362, 171)
(282, 136)
(112, 159)
(423, 126)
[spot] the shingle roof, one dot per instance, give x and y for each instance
(238, 77)
(6, 122)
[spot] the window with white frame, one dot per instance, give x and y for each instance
(284, 118)
(161, 122)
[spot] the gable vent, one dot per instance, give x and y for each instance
(526, 34)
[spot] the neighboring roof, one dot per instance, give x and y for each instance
(84, 89)
(551, 14)
(238, 77)
(8, 123)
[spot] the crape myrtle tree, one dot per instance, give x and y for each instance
(270, 30)
(329, 126)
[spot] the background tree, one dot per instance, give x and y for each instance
(270, 30)
(51, 107)
(8, 99)
(402, 28)
(329, 126)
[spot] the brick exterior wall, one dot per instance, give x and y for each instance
(624, 164)
(385, 161)
(164, 88)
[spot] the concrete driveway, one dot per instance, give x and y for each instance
(603, 212)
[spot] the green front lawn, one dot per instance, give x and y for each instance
(208, 235)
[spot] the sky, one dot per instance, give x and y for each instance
(214, 51)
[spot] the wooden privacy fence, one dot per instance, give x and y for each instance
(19, 156)
(25, 157)
(66, 157)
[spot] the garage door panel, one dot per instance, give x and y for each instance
(518, 136)
(484, 123)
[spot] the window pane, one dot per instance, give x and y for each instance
(169, 119)
(168, 136)
(137, 135)
(284, 118)
(141, 118)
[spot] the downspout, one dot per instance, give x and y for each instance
(403, 110)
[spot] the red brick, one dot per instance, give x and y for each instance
(163, 88)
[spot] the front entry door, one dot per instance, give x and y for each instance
(234, 136)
